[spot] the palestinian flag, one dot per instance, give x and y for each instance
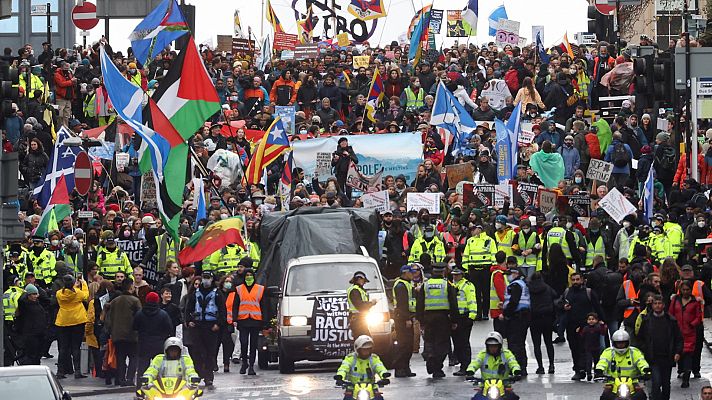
(211, 239)
(189, 102)
(57, 209)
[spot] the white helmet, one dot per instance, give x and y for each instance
(172, 342)
(363, 342)
(494, 338)
(620, 336)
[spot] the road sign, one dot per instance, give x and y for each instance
(84, 16)
(604, 7)
(82, 172)
(38, 9)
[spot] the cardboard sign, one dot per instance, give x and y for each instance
(287, 55)
(429, 201)
(502, 191)
(359, 181)
(458, 173)
(377, 200)
(525, 137)
(343, 39)
(507, 33)
(599, 170)
(547, 200)
(330, 333)
(580, 204)
(497, 91)
(148, 189)
(122, 161)
(284, 41)
(616, 205)
(361, 61)
(323, 165)
(525, 194)
(306, 51)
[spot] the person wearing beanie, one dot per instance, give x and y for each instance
(154, 326)
(31, 324)
(249, 315)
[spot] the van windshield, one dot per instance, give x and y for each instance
(327, 278)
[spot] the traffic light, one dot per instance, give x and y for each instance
(599, 24)
(664, 80)
(643, 70)
(9, 81)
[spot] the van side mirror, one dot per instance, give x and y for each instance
(274, 291)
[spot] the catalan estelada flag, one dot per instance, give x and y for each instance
(272, 18)
(272, 145)
(375, 95)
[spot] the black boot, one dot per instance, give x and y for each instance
(243, 368)
(251, 370)
(685, 380)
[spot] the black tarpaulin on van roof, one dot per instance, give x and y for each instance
(309, 231)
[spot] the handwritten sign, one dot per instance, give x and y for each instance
(361, 61)
(599, 170)
(429, 201)
(501, 192)
(525, 137)
(507, 33)
(616, 205)
(323, 164)
(547, 200)
(343, 39)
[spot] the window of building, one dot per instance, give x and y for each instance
(668, 27)
(39, 23)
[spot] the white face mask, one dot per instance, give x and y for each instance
(526, 230)
(626, 224)
(701, 224)
(224, 216)
(413, 220)
(54, 242)
(498, 225)
(569, 225)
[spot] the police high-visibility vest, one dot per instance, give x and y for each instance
(43, 265)
(595, 249)
(660, 247)
(527, 244)
(494, 298)
(435, 248)
(629, 364)
(226, 259)
(505, 240)
(675, 236)
(636, 241)
(435, 290)
(36, 83)
(409, 288)
(364, 297)
(479, 252)
(524, 300)
(111, 262)
(254, 253)
(466, 297)
(558, 235)
(413, 101)
(250, 302)
(136, 79)
(9, 302)
(630, 294)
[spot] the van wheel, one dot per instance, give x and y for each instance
(263, 360)
(286, 366)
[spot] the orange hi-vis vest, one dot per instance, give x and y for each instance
(630, 294)
(228, 306)
(250, 302)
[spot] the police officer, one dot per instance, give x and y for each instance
(621, 360)
(42, 262)
(204, 311)
(359, 304)
(429, 243)
(10, 298)
(466, 314)
(526, 247)
(516, 309)
(495, 362)
(477, 259)
(225, 260)
(404, 313)
(112, 260)
(596, 244)
(503, 235)
(16, 265)
(674, 233)
(436, 309)
(565, 237)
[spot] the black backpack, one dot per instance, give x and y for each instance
(666, 159)
(284, 95)
(620, 156)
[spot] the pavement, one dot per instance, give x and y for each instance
(313, 381)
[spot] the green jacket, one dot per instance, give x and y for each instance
(354, 369)
(489, 365)
(170, 368)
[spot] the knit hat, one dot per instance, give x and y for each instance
(132, 65)
(663, 136)
(31, 289)
(152, 297)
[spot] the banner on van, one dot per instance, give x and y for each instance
(331, 335)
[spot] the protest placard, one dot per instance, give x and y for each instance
(616, 205)
(323, 165)
(455, 27)
(377, 200)
(497, 91)
(361, 61)
(343, 39)
(306, 51)
(525, 194)
(285, 41)
(599, 170)
(525, 137)
(580, 204)
(547, 200)
(288, 116)
(458, 173)
(135, 250)
(507, 32)
(502, 191)
(484, 195)
(148, 189)
(429, 201)
(436, 20)
(122, 161)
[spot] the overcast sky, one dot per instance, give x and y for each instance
(215, 17)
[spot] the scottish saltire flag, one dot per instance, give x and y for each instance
(541, 50)
(162, 26)
(61, 164)
(469, 17)
(503, 149)
(649, 195)
(375, 95)
(450, 115)
(265, 53)
(513, 128)
(498, 13)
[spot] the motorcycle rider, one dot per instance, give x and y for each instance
(171, 364)
(494, 362)
(361, 367)
(621, 360)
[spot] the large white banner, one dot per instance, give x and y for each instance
(396, 153)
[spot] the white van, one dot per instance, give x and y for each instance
(317, 285)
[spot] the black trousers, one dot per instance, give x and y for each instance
(249, 337)
(358, 326)
(69, 339)
(404, 349)
(227, 344)
(437, 339)
(660, 380)
(697, 354)
(203, 351)
(32, 348)
(125, 373)
(461, 342)
(576, 347)
(480, 277)
(517, 328)
(542, 327)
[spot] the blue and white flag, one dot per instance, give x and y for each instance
(201, 210)
(60, 164)
(498, 13)
(155, 32)
(469, 15)
(513, 128)
(265, 53)
(449, 114)
(503, 150)
(540, 49)
(649, 195)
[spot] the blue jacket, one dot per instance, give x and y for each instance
(572, 160)
(555, 137)
(609, 155)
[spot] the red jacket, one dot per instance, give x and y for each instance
(702, 169)
(65, 88)
(500, 286)
(688, 318)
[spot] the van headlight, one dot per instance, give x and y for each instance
(296, 320)
(375, 318)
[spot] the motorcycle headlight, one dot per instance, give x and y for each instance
(493, 392)
(623, 391)
(374, 318)
(363, 395)
(297, 320)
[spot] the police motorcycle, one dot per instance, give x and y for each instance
(169, 388)
(492, 389)
(365, 390)
(623, 387)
